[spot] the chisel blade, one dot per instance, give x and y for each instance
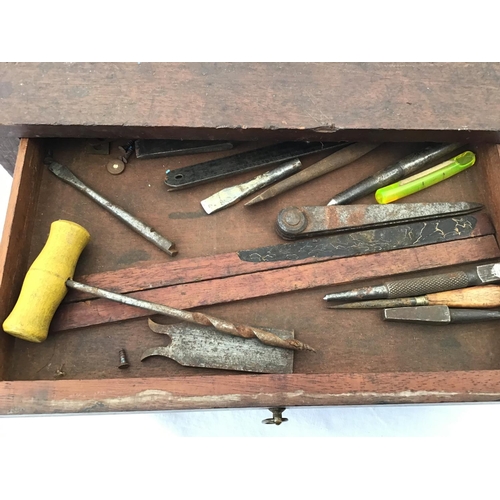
(439, 315)
(310, 221)
(231, 195)
(434, 315)
(205, 347)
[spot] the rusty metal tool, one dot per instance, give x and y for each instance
(65, 174)
(479, 275)
(408, 165)
(299, 222)
(439, 315)
(199, 318)
(473, 297)
(46, 282)
(333, 162)
(231, 195)
(244, 162)
(205, 347)
(146, 149)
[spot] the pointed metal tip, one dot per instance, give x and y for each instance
(253, 201)
(338, 296)
(350, 305)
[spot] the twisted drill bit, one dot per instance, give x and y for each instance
(199, 318)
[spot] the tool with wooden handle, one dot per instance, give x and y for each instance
(336, 160)
(411, 287)
(474, 297)
(45, 286)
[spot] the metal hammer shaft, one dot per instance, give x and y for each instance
(65, 174)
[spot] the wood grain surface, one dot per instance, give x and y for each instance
(265, 283)
(360, 358)
(18, 225)
(246, 101)
(240, 391)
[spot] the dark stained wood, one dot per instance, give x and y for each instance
(246, 101)
(491, 175)
(243, 391)
(266, 283)
(360, 359)
(8, 153)
(18, 224)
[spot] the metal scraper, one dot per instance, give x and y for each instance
(205, 347)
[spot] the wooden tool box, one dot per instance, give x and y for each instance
(360, 359)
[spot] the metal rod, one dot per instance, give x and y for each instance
(393, 173)
(65, 174)
(199, 318)
(330, 163)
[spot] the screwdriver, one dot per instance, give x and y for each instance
(474, 297)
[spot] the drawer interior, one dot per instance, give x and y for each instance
(346, 341)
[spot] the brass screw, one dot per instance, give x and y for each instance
(277, 417)
(123, 359)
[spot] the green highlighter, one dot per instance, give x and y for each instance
(424, 179)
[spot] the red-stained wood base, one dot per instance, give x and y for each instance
(265, 283)
(230, 391)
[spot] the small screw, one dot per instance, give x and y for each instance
(123, 359)
(60, 371)
(277, 417)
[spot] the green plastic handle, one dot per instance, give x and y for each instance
(425, 179)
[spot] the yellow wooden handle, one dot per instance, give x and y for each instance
(476, 297)
(44, 286)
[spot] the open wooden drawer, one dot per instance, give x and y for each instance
(359, 359)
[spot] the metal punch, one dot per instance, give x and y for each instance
(65, 174)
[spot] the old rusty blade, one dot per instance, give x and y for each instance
(299, 222)
(421, 314)
(205, 347)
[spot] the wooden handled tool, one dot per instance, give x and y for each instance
(45, 287)
(474, 297)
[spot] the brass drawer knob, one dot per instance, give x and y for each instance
(277, 418)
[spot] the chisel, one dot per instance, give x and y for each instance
(231, 195)
(439, 315)
(473, 297)
(479, 275)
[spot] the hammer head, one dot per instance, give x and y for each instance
(44, 286)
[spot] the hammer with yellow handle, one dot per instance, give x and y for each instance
(44, 288)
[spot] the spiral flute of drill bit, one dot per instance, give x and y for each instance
(265, 337)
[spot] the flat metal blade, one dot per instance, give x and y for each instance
(244, 162)
(435, 315)
(299, 222)
(161, 148)
(205, 347)
(488, 273)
